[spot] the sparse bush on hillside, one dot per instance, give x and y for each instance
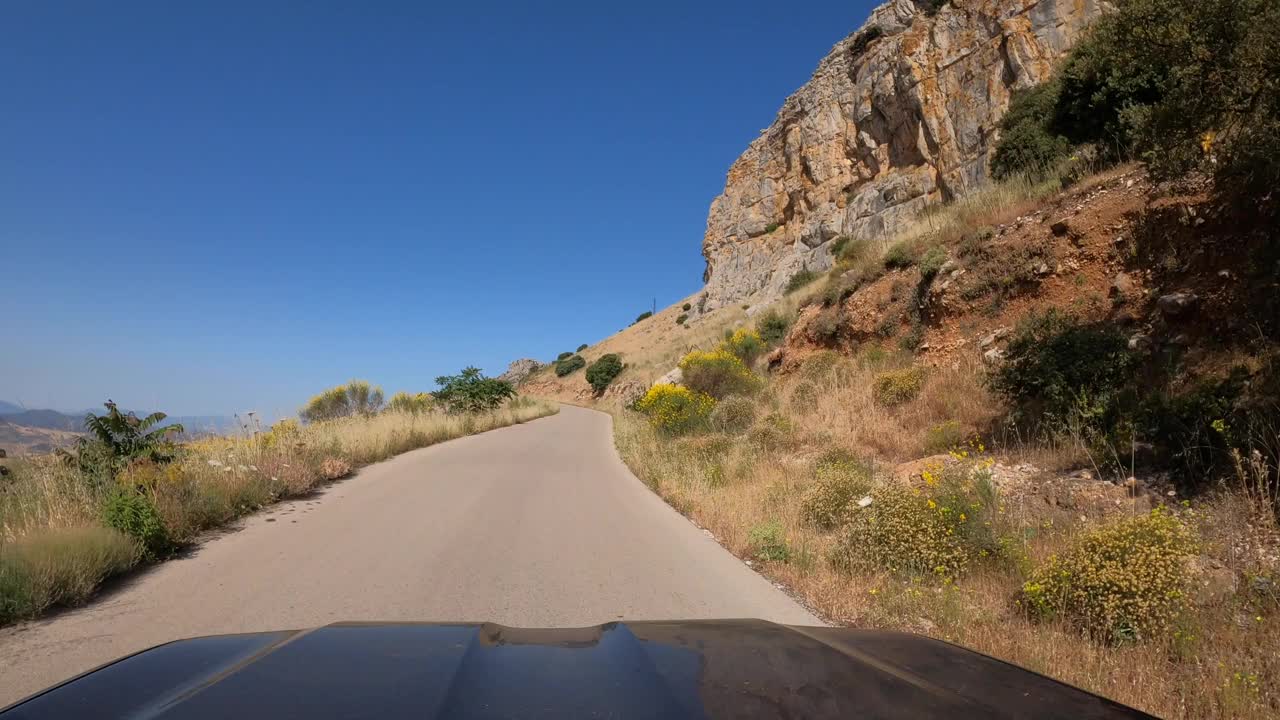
(840, 480)
(602, 372)
(569, 364)
(563, 355)
(744, 343)
(1122, 582)
(681, 318)
(769, 542)
(675, 409)
(733, 414)
(894, 387)
(899, 256)
(471, 391)
(1057, 370)
(772, 327)
(940, 528)
(799, 280)
(932, 261)
(355, 398)
(771, 227)
(411, 402)
(825, 328)
(686, 307)
(718, 373)
(839, 245)
(582, 347)
(643, 316)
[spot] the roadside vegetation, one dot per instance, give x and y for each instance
(129, 493)
(1052, 439)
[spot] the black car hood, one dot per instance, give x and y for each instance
(698, 669)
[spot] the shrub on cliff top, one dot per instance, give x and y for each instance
(567, 365)
(602, 372)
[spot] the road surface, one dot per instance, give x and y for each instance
(533, 525)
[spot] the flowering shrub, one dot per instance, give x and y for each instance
(675, 408)
(897, 386)
(718, 373)
(1124, 581)
(744, 343)
(939, 527)
(840, 480)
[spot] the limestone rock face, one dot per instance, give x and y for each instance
(900, 115)
(519, 370)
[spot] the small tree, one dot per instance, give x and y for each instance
(117, 438)
(471, 391)
(602, 372)
(355, 398)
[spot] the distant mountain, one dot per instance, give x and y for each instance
(19, 440)
(74, 422)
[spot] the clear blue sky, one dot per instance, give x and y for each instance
(219, 206)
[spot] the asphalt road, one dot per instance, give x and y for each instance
(536, 525)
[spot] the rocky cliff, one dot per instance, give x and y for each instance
(898, 115)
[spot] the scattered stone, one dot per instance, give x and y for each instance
(1122, 286)
(1043, 269)
(1177, 304)
(1212, 581)
(865, 502)
(1139, 343)
(994, 356)
(675, 377)
(995, 337)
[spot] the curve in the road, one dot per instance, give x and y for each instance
(536, 525)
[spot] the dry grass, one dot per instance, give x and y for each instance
(55, 550)
(1222, 658)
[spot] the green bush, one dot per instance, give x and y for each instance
(733, 414)
(686, 307)
(133, 514)
(945, 437)
(771, 227)
(602, 372)
(471, 391)
(582, 347)
(59, 567)
(839, 481)
(913, 338)
(1060, 371)
(800, 279)
(839, 245)
(643, 316)
(745, 344)
(772, 327)
(1029, 141)
(932, 261)
(563, 355)
(900, 256)
(1125, 581)
(568, 365)
(718, 373)
(769, 542)
(895, 387)
(680, 319)
(355, 398)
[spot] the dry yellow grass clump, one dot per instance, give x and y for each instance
(55, 547)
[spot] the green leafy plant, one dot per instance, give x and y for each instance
(602, 372)
(471, 391)
(932, 261)
(900, 256)
(355, 398)
(1029, 141)
(744, 343)
(133, 514)
(772, 327)
(643, 316)
(563, 355)
(771, 227)
(686, 307)
(568, 365)
(769, 542)
(115, 439)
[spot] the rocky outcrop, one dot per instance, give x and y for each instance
(900, 114)
(519, 370)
